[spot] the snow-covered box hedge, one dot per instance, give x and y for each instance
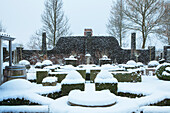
(72, 81)
(153, 63)
(25, 63)
(125, 76)
(163, 71)
(105, 80)
(41, 74)
(49, 81)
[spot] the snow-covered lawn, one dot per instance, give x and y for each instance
(155, 90)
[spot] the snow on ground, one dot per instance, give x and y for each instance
(155, 90)
(93, 98)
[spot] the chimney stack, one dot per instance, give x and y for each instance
(133, 45)
(88, 32)
(44, 45)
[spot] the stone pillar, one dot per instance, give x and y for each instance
(133, 45)
(1, 62)
(44, 45)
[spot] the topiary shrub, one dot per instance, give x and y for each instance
(72, 81)
(105, 80)
(49, 81)
(162, 72)
(17, 101)
(59, 75)
(40, 75)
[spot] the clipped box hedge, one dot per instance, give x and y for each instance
(53, 95)
(40, 75)
(66, 88)
(110, 86)
(123, 76)
(82, 72)
(59, 75)
(17, 101)
(161, 69)
(49, 84)
(93, 74)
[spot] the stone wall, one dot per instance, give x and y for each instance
(97, 46)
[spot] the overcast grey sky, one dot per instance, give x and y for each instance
(23, 17)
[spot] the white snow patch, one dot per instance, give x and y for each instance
(17, 84)
(47, 62)
(155, 109)
(131, 62)
(105, 77)
(167, 69)
(71, 58)
(38, 64)
(108, 67)
(49, 79)
(153, 63)
(104, 58)
(28, 109)
(73, 77)
(96, 98)
(24, 62)
(166, 73)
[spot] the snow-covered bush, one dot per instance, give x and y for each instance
(38, 65)
(108, 67)
(72, 81)
(25, 63)
(41, 74)
(49, 81)
(163, 71)
(153, 63)
(105, 80)
(17, 84)
(131, 64)
(139, 64)
(46, 63)
(73, 77)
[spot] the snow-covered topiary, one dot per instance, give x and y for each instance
(162, 71)
(25, 63)
(153, 63)
(38, 65)
(105, 77)
(49, 79)
(108, 67)
(139, 64)
(71, 58)
(46, 63)
(131, 62)
(17, 84)
(73, 77)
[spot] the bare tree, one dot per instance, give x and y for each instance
(116, 25)
(144, 16)
(2, 29)
(54, 21)
(164, 30)
(35, 41)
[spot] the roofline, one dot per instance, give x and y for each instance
(7, 38)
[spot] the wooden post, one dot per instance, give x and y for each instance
(1, 62)
(10, 53)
